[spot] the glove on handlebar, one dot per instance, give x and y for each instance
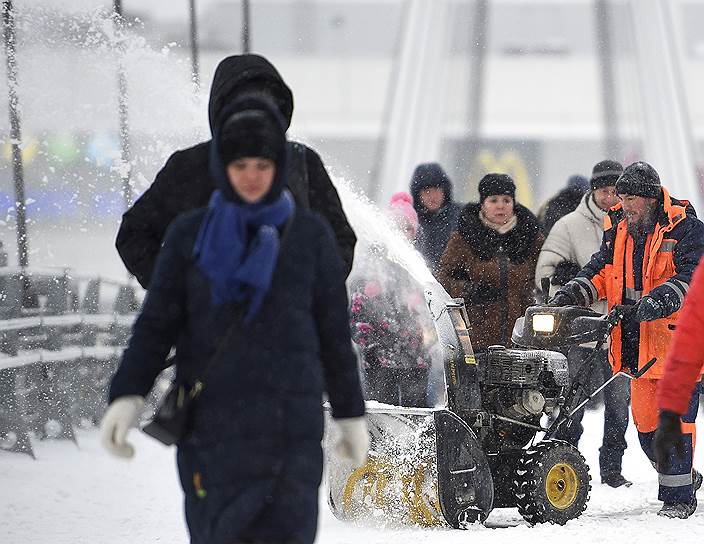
(564, 272)
(649, 309)
(562, 298)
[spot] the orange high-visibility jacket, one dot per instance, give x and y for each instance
(671, 254)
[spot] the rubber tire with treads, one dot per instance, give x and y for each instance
(532, 472)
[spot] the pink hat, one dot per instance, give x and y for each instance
(403, 213)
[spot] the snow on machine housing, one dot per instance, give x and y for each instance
(453, 464)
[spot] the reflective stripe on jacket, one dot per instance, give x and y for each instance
(671, 254)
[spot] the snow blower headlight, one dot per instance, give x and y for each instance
(544, 323)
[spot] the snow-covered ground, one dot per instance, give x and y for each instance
(73, 495)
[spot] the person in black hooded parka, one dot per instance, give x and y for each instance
(564, 202)
(184, 183)
(258, 283)
(431, 190)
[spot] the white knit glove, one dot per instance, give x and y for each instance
(120, 417)
(353, 443)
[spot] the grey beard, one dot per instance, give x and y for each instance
(644, 226)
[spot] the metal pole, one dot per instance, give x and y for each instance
(608, 88)
(122, 108)
(245, 26)
(476, 74)
(475, 108)
(8, 18)
(195, 69)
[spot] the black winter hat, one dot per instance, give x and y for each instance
(605, 174)
(639, 179)
(496, 184)
(429, 174)
(252, 126)
(251, 133)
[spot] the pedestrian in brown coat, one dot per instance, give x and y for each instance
(490, 261)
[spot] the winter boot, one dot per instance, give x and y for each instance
(681, 510)
(696, 479)
(615, 479)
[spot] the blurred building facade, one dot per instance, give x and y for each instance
(540, 115)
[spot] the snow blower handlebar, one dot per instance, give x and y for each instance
(578, 387)
(628, 375)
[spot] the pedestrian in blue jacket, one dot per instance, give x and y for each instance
(251, 461)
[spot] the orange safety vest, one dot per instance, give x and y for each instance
(658, 267)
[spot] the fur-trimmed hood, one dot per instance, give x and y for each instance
(486, 242)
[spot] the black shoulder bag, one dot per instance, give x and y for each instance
(169, 422)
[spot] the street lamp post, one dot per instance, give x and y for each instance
(122, 108)
(8, 18)
(246, 42)
(195, 69)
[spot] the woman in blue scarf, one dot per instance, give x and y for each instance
(258, 287)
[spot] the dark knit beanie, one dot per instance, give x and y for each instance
(605, 174)
(496, 184)
(639, 179)
(251, 133)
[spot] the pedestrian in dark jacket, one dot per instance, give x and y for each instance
(490, 261)
(185, 183)
(258, 282)
(564, 202)
(437, 212)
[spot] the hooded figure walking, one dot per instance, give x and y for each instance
(185, 181)
(431, 189)
(254, 287)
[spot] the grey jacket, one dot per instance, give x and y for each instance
(575, 237)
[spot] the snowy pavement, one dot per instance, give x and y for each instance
(73, 495)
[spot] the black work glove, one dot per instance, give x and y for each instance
(563, 298)
(649, 309)
(668, 434)
(564, 272)
(482, 292)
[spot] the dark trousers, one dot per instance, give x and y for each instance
(396, 386)
(675, 483)
(616, 400)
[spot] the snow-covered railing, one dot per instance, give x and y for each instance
(61, 338)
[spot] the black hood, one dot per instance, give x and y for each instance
(429, 174)
(486, 242)
(247, 74)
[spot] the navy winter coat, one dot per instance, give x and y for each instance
(251, 463)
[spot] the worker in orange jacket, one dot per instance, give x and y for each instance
(652, 243)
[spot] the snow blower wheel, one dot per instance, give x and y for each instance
(552, 483)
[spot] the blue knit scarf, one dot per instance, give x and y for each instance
(237, 248)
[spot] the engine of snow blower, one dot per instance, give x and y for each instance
(453, 464)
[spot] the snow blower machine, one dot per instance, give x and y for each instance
(486, 447)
